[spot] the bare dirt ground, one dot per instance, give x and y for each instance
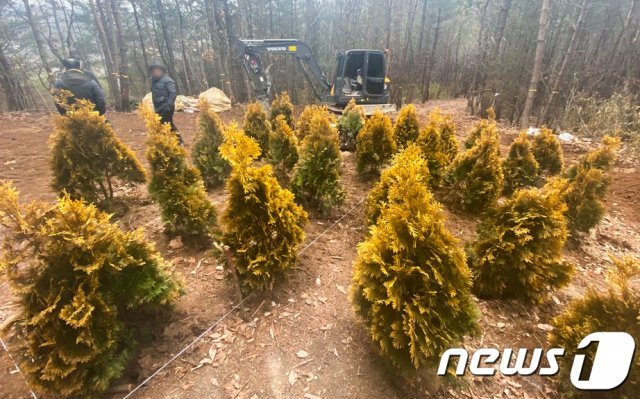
(302, 340)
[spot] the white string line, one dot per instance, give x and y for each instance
(4, 346)
(224, 316)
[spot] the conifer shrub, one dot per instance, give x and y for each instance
(87, 156)
(349, 125)
(175, 185)
(407, 128)
(83, 289)
(407, 164)
(411, 283)
(257, 126)
(205, 153)
(263, 224)
(483, 125)
(586, 185)
(584, 195)
(375, 144)
(281, 105)
(520, 167)
(612, 310)
(283, 147)
(438, 145)
(518, 253)
(475, 178)
(316, 177)
(304, 121)
(548, 152)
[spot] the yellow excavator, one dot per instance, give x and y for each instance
(360, 74)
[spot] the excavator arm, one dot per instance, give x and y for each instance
(250, 51)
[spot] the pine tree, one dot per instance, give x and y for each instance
(256, 125)
(375, 144)
(303, 123)
(205, 154)
(263, 225)
(316, 180)
(475, 178)
(518, 253)
(438, 145)
(175, 185)
(283, 148)
(87, 156)
(83, 290)
(547, 151)
(407, 164)
(281, 105)
(411, 282)
(613, 310)
(407, 128)
(520, 167)
(602, 158)
(349, 125)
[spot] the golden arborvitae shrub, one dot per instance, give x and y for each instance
(408, 164)
(614, 310)
(205, 153)
(407, 128)
(518, 253)
(283, 147)
(438, 145)
(304, 121)
(263, 224)
(411, 283)
(349, 125)
(475, 178)
(584, 195)
(375, 143)
(316, 179)
(257, 126)
(281, 105)
(83, 291)
(175, 185)
(520, 167)
(87, 156)
(483, 126)
(586, 185)
(602, 158)
(547, 151)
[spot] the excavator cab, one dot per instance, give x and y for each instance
(360, 74)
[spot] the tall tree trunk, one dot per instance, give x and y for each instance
(224, 49)
(110, 64)
(171, 66)
(569, 52)
(39, 44)
(215, 44)
(536, 75)
(14, 94)
(426, 77)
(123, 76)
(140, 35)
(505, 7)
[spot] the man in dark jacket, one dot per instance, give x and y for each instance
(81, 85)
(163, 94)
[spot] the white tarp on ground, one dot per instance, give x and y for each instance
(217, 100)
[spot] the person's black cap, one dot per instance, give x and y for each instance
(71, 63)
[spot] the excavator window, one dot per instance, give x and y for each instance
(355, 62)
(375, 74)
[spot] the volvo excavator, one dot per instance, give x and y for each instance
(360, 74)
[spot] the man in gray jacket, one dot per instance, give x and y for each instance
(163, 94)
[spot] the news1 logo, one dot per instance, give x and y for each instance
(610, 366)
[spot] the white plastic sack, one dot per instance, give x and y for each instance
(217, 100)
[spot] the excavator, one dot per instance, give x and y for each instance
(360, 74)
